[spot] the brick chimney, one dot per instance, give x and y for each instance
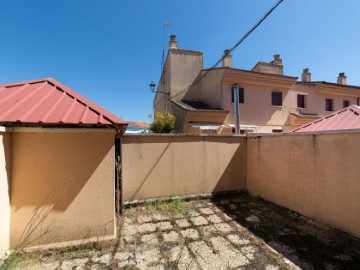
(274, 67)
(306, 75)
(173, 42)
(277, 60)
(227, 60)
(342, 78)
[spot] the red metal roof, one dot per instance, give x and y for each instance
(138, 124)
(348, 118)
(46, 101)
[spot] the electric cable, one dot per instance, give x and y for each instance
(199, 78)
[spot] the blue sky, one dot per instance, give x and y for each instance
(109, 51)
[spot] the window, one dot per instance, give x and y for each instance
(241, 95)
(277, 130)
(276, 98)
(346, 103)
(301, 101)
(329, 105)
(358, 101)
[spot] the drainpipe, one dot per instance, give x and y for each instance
(235, 89)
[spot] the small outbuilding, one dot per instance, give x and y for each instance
(58, 153)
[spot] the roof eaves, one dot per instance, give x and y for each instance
(186, 51)
(251, 72)
(328, 83)
(191, 109)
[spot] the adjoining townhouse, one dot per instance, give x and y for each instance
(321, 98)
(203, 102)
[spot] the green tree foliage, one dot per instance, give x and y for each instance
(164, 122)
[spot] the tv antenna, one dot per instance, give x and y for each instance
(165, 25)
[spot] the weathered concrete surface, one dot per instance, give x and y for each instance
(214, 234)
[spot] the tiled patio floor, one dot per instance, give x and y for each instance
(220, 233)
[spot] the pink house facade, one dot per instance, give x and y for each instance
(269, 101)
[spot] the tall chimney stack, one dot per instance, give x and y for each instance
(227, 59)
(277, 60)
(342, 78)
(173, 42)
(306, 75)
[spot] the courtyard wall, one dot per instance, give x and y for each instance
(174, 165)
(316, 174)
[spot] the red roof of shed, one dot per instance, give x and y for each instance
(348, 118)
(46, 101)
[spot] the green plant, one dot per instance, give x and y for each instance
(129, 267)
(176, 206)
(157, 205)
(10, 262)
(164, 122)
(179, 206)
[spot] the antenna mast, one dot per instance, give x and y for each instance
(165, 25)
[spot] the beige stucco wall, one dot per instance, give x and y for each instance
(185, 66)
(69, 175)
(315, 102)
(5, 169)
(216, 89)
(315, 175)
(208, 89)
(180, 70)
(257, 109)
(161, 166)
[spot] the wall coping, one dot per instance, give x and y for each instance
(181, 135)
(344, 131)
(250, 135)
(57, 130)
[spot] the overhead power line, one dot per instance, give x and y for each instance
(199, 78)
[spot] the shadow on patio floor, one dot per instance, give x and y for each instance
(307, 243)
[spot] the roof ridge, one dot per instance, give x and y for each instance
(26, 82)
(96, 108)
(104, 117)
(330, 83)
